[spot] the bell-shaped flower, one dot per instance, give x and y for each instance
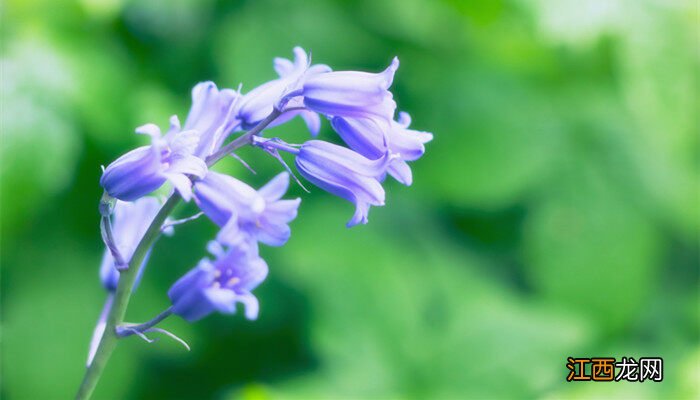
(218, 285)
(259, 102)
(246, 214)
(344, 173)
(372, 139)
(129, 223)
(145, 169)
(351, 93)
(211, 115)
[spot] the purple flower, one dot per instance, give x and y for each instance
(244, 213)
(372, 139)
(130, 222)
(344, 173)
(218, 285)
(259, 102)
(351, 93)
(211, 115)
(145, 169)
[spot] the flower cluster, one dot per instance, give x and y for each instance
(360, 109)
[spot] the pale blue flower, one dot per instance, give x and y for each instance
(351, 93)
(145, 169)
(344, 173)
(212, 116)
(220, 284)
(259, 102)
(373, 138)
(246, 214)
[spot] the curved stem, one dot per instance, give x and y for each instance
(121, 301)
(176, 222)
(243, 139)
(128, 276)
(269, 144)
(129, 329)
(108, 238)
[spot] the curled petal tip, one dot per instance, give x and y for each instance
(174, 122)
(390, 71)
(404, 119)
(299, 52)
(357, 221)
(425, 137)
(149, 129)
(394, 63)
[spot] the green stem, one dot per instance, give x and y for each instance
(128, 277)
(121, 300)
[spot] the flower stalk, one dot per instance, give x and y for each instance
(130, 329)
(243, 139)
(108, 238)
(127, 277)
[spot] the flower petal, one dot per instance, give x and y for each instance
(133, 175)
(364, 135)
(210, 115)
(199, 277)
(351, 93)
(223, 300)
(182, 184)
(401, 172)
(312, 120)
(190, 165)
(151, 130)
(252, 307)
(231, 233)
(276, 188)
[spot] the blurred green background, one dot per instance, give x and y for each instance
(555, 214)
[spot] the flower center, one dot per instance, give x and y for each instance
(225, 279)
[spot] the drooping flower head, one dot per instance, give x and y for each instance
(344, 173)
(129, 224)
(351, 93)
(145, 169)
(259, 102)
(244, 213)
(372, 139)
(361, 109)
(218, 285)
